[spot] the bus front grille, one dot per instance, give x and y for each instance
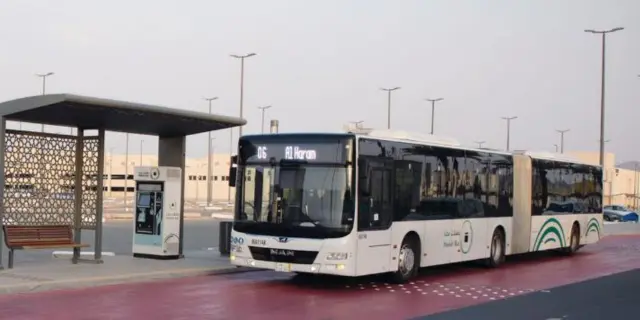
(283, 255)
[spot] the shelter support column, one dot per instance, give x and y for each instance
(3, 126)
(171, 153)
(97, 254)
(77, 212)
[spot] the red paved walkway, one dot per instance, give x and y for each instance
(267, 295)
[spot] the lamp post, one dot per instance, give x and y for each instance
(602, 85)
(263, 109)
(562, 132)
(242, 57)
(210, 173)
(433, 108)
(508, 119)
(209, 169)
(44, 87)
(389, 90)
(126, 168)
(110, 171)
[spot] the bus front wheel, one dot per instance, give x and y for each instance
(408, 258)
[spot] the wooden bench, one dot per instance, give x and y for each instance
(38, 237)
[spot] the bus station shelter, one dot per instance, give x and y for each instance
(57, 179)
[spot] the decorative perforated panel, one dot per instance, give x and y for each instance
(39, 179)
(89, 182)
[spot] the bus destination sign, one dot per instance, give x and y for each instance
(310, 152)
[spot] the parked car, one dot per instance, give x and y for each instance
(619, 213)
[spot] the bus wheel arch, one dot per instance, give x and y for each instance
(409, 255)
(497, 247)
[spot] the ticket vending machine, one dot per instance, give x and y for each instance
(156, 225)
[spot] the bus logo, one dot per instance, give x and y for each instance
(280, 252)
(283, 239)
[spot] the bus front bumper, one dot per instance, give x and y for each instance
(337, 268)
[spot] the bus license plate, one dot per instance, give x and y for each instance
(283, 267)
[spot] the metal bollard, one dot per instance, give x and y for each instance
(224, 241)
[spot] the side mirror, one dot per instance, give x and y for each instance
(233, 171)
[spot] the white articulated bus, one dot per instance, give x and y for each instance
(357, 204)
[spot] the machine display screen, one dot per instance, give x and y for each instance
(144, 200)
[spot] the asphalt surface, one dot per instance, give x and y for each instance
(611, 297)
(283, 296)
(118, 237)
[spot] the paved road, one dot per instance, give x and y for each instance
(612, 297)
(270, 295)
(117, 238)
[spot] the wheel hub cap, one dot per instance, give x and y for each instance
(407, 259)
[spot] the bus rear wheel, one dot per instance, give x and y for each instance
(496, 253)
(407, 261)
(574, 242)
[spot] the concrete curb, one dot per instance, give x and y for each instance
(50, 285)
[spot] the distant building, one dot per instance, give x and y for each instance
(195, 176)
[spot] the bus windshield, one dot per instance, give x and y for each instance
(292, 198)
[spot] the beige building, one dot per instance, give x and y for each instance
(620, 185)
(195, 176)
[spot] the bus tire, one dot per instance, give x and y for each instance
(408, 260)
(496, 252)
(574, 240)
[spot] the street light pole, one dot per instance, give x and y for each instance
(562, 132)
(389, 90)
(110, 171)
(433, 108)
(210, 173)
(509, 128)
(241, 57)
(480, 143)
(263, 110)
(556, 146)
(602, 86)
(126, 168)
(44, 87)
(209, 169)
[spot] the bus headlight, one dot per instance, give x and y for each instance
(337, 256)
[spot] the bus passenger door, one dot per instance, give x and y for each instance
(374, 217)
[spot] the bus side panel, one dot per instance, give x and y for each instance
(439, 245)
(473, 238)
(522, 195)
(591, 231)
(553, 231)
